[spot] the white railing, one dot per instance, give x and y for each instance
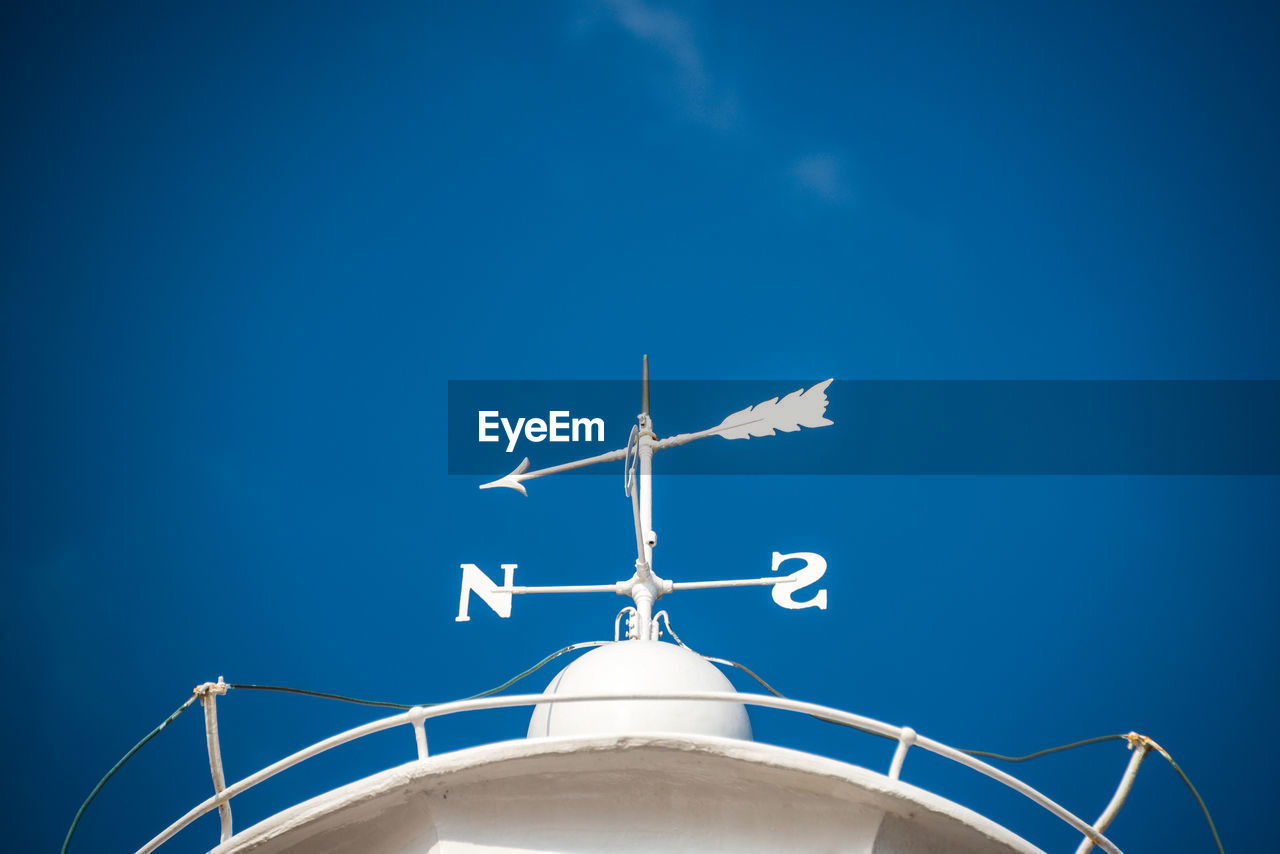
(416, 717)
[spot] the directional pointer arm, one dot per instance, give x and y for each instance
(516, 478)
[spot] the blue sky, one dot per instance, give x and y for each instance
(245, 249)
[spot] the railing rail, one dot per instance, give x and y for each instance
(416, 717)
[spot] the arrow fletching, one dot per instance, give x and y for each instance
(799, 409)
(511, 481)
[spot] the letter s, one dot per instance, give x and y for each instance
(815, 566)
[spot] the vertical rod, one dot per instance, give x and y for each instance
(645, 482)
(644, 386)
(905, 740)
(418, 719)
(643, 592)
(1140, 748)
(635, 515)
(209, 700)
(643, 598)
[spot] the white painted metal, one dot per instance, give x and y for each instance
(630, 614)
(475, 581)
(1139, 745)
(906, 738)
(735, 582)
(418, 717)
(619, 588)
(815, 566)
(664, 585)
(628, 669)
(520, 473)
(645, 588)
(848, 719)
(208, 693)
(799, 409)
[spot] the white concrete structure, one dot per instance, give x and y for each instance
(639, 793)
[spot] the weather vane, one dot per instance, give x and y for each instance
(800, 408)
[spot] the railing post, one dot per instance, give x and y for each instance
(1139, 744)
(417, 716)
(906, 738)
(208, 693)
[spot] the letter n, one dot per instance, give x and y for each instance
(475, 581)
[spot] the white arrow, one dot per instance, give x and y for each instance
(513, 480)
(799, 409)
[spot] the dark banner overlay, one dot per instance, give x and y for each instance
(913, 427)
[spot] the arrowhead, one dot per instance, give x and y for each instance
(511, 481)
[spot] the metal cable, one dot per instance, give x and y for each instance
(1204, 808)
(775, 692)
(75, 822)
(1046, 751)
(667, 617)
(324, 695)
(388, 705)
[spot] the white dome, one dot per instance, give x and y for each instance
(630, 667)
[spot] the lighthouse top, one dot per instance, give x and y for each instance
(638, 744)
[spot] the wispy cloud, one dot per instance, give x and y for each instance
(689, 86)
(665, 30)
(672, 36)
(822, 175)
